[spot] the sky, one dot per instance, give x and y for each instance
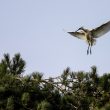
(34, 28)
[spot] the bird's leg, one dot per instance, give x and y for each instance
(91, 46)
(88, 49)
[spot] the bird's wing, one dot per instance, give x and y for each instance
(101, 30)
(79, 35)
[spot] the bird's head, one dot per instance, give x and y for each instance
(81, 28)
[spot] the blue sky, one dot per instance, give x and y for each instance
(34, 28)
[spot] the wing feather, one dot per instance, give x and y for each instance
(101, 30)
(79, 35)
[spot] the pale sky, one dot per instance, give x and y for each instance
(34, 28)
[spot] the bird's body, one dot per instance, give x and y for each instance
(90, 35)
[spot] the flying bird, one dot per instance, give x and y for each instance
(90, 36)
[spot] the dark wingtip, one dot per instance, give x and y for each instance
(69, 32)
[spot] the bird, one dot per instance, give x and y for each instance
(90, 36)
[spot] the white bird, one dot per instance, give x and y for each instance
(90, 35)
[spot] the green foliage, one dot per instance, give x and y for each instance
(13, 66)
(25, 98)
(10, 103)
(70, 91)
(44, 105)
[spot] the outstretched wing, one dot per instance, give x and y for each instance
(79, 35)
(99, 31)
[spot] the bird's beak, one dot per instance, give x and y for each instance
(78, 30)
(81, 28)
